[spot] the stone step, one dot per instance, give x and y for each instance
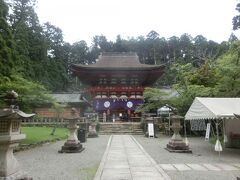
(120, 132)
(117, 130)
(106, 129)
(129, 130)
(120, 128)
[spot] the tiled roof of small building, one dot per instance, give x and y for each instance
(69, 98)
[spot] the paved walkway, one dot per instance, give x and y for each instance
(203, 164)
(125, 159)
(200, 167)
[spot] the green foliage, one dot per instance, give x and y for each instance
(205, 76)
(154, 94)
(187, 95)
(228, 72)
(30, 93)
(38, 52)
(6, 43)
(79, 53)
(31, 53)
(214, 78)
(220, 77)
(236, 19)
(154, 98)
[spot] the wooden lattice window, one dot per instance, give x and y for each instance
(4, 126)
(113, 81)
(15, 126)
(123, 81)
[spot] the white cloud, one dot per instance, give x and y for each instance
(81, 19)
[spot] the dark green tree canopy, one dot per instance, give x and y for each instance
(7, 48)
(236, 19)
(37, 56)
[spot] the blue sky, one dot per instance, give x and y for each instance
(83, 19)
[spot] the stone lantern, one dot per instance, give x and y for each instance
(10, 136)
(165, 112)
(72, 145)
(92, 130)
(92, 120)
(176, 143)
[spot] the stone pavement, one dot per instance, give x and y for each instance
(125, 159)
(202, 164)
(200, 167)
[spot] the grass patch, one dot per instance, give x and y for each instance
(89, 172)
(36, 135)
(213, 140)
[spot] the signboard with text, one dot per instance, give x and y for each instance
(207, 132)
(150, 130)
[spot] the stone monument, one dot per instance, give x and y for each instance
(93, 120)
(72, 145)
(176, 143)
(10, 136)
(92, 132)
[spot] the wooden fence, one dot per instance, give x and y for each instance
(49, 122)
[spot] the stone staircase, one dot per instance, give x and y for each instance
(120, 128)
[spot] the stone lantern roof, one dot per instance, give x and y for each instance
(11, 112)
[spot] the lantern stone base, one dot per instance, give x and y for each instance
(176, 143)
(178, 146)
(71, 147)
(9, 166)
(92, 134)
(20, 175)
(92, 131)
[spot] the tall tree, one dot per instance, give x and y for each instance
(174, 49)
(236, 19)
(7, 56)
(200, 47)
(142, 49)
(79, 53)
(26, 34)
(101, 43)
(120, 45)
(54, 38)
(152, 43)
(232, 38)
(228, 72)
(186, 49)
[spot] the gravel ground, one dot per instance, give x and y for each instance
(46, 163)
(203, 152)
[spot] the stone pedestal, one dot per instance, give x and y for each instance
(72, 145)
(92, 130)
(176, 143)
(9, 139)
